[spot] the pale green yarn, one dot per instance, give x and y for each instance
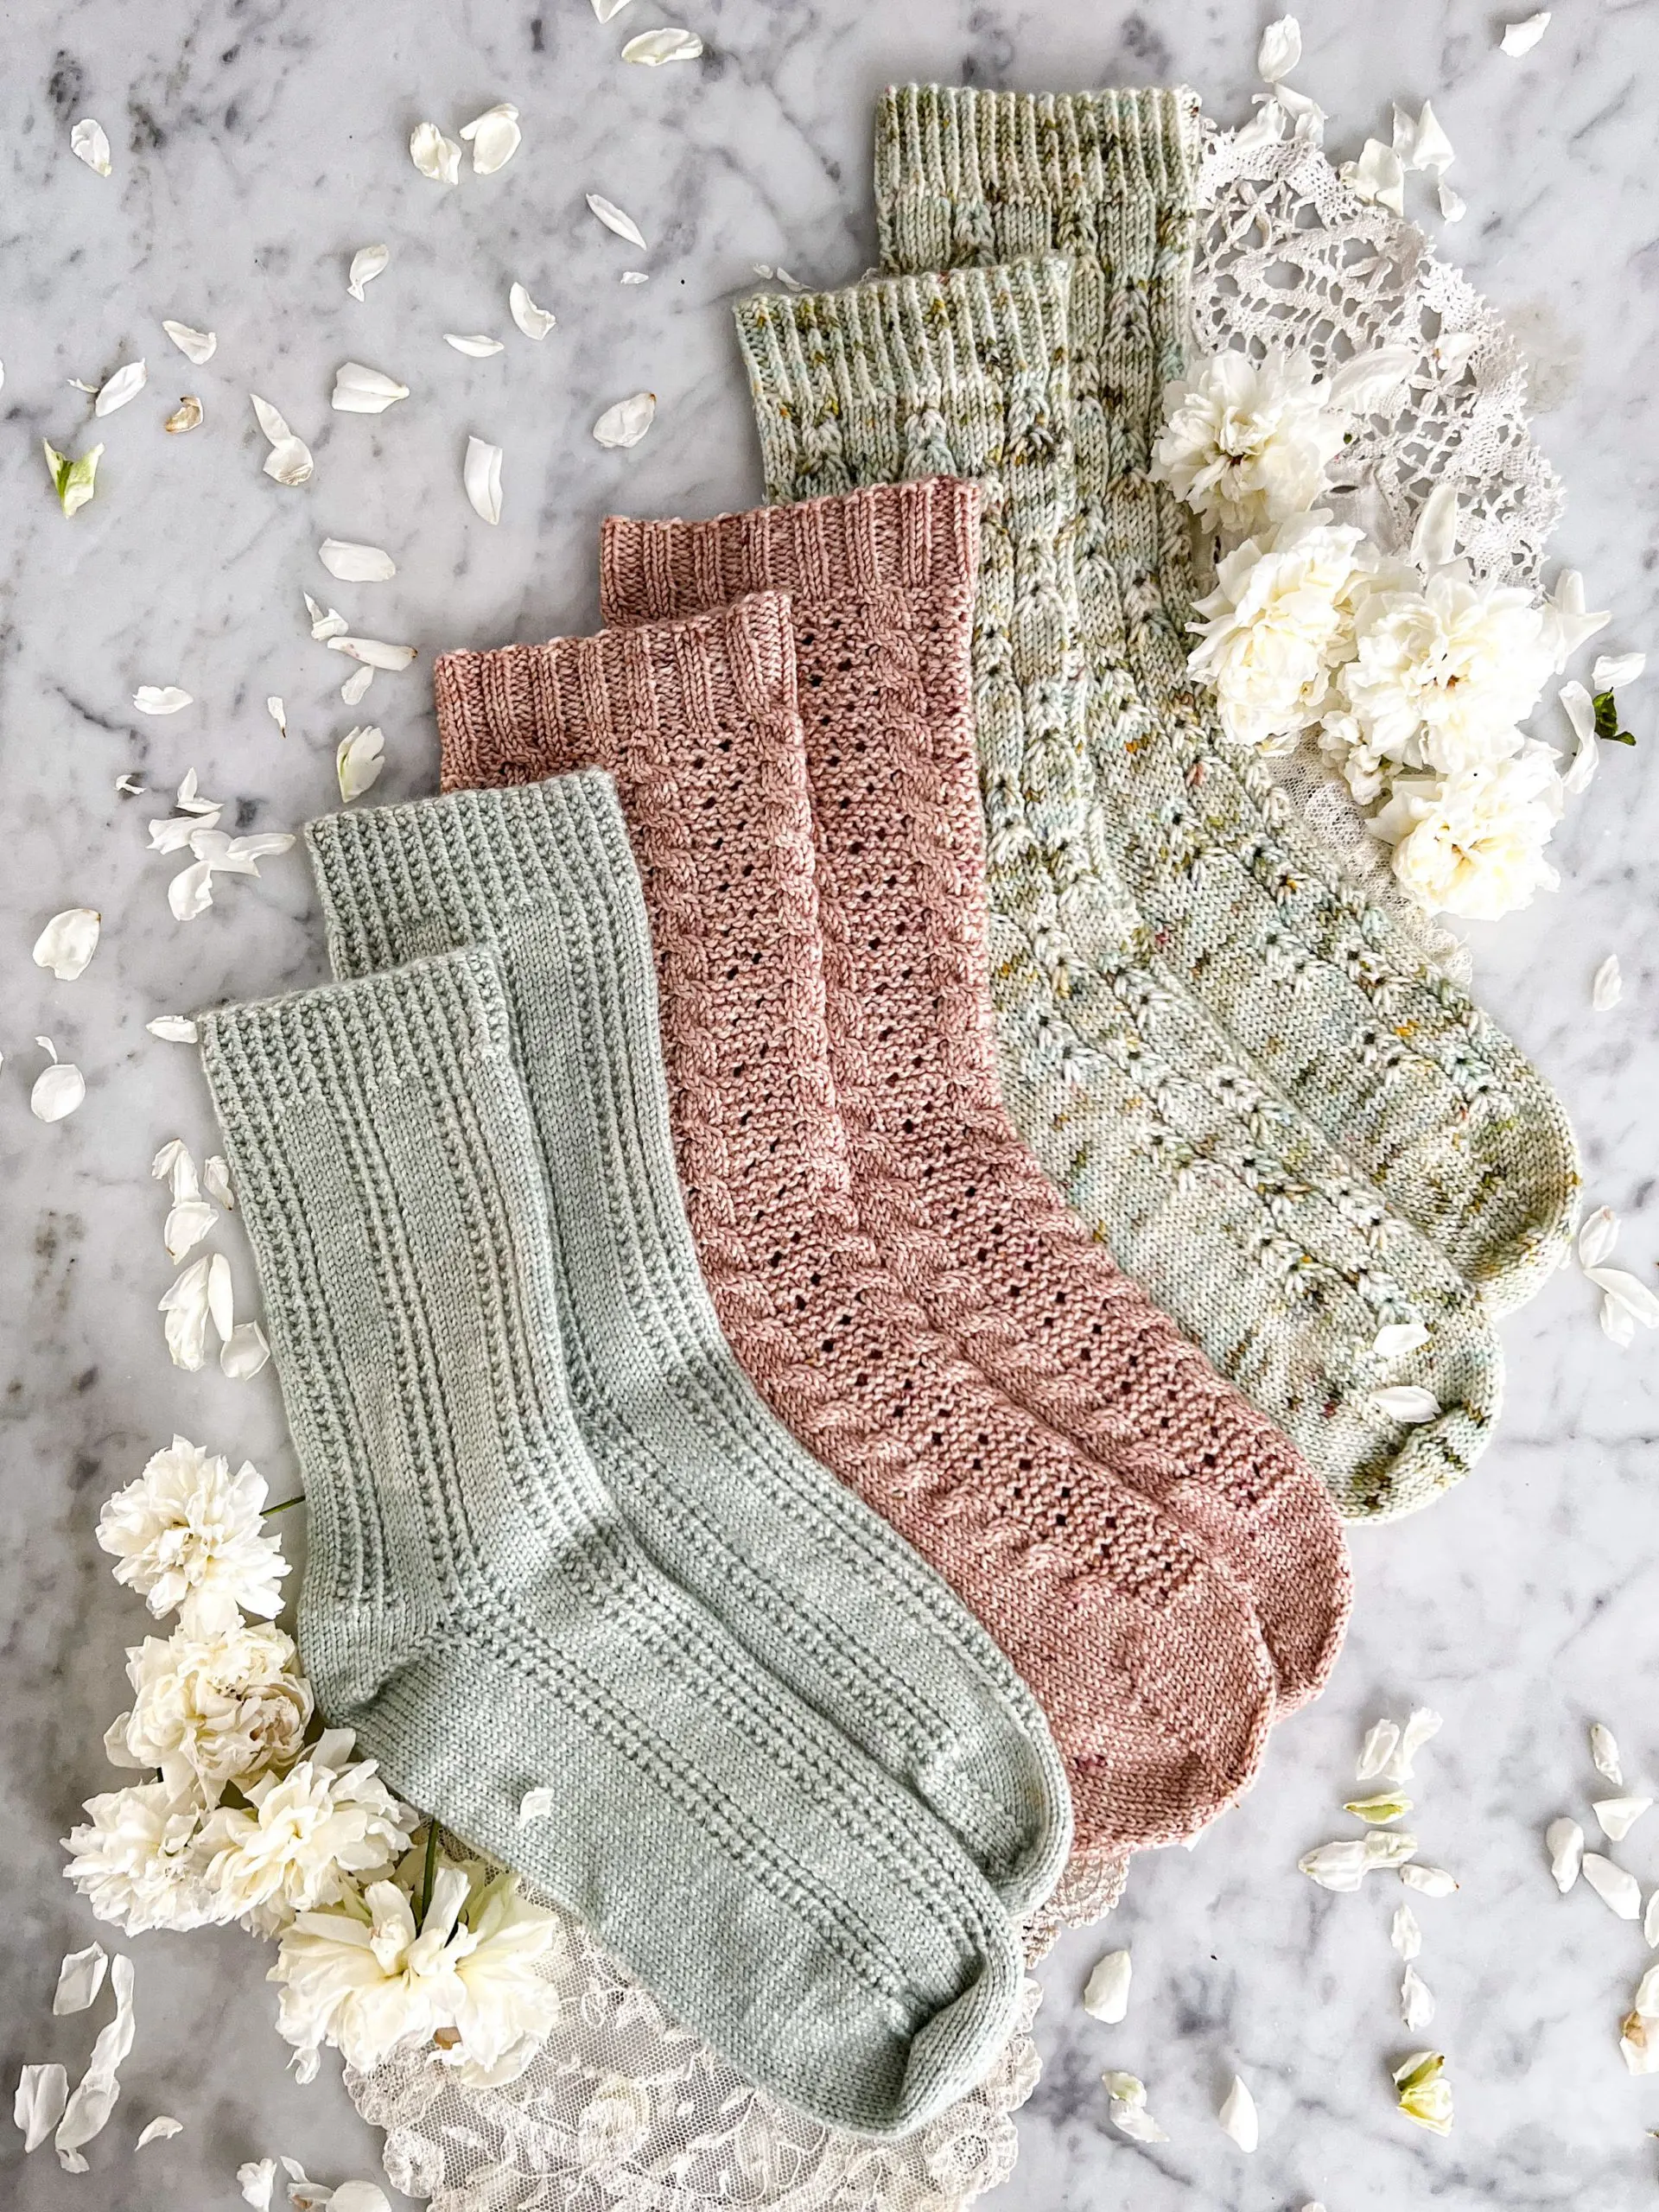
(1326, 992)
(1240, 1218)
(476, 1609)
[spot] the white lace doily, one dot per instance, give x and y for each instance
(1290, 256)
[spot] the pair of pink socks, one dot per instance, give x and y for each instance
(786, 706)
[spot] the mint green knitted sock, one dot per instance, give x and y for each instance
(1331, 995)
(1235, 1212)
(716, 1491)
(474, 1607)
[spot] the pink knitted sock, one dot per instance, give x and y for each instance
(1146, 1656)
(882, 595)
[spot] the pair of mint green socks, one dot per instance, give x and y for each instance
(555, 1538)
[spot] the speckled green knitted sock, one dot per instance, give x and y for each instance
(1329, 994)
(1231, 1209)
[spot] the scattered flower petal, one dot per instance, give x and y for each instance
(159, 2130)
(185, 1305)
(191, 892)
(1623, 1289)
(197, 346)
(359, 390)
(375, 651)
(326, 622)
(1128, 2108)
(613, 219)
(1281, 49)
(1609, 985)
(651, 48)
(1423, 1724)
(1428, 1881)
(1650, 1922)
(1453, 205)
(1619, 1890)
(1404, 1934)
(435, 155)
(367, 263)
(1580, 710)
(173, 1028)
(244, 1352)
(1639, 2043)
(256, 2180)
(494, 137)
(1342, 1867)
(1378, 175)
(288, 461)
(58, 1089)
(126, 384)
(1382, 1740)
(278, 714)
(1521, 37)
(358, 761)
(93, 2097)
(37, 2107)
(1597, 1238)
(356, 684)
(478, 346)
(89, 142)
(1564, 1841)
(1425, 2094)
(68, 942)
(481, 476)
(537, 1805)
(1569, 624)
(626, 422)
(356, 564)
(634, 277)
(606, 9)
(1378, 1811)
(1238, 2116)
(1408, 1403)
(1616, 1816)
(1422, 144)
(1416, 2000)
(216, 1180)
(1106, 1992)
(1400, 1338)
(534, 321)
(186, 416)
(1613, 670)
(74, 481)
(80, 1977)
(161, 699)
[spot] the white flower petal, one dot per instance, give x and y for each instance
(481, 476)
(1571, 623)
(173, 1028)
(1404, 1934)
(537, 1805)
(652, 49)
(160, 699)
(358, 2197)
(37, 2105)
(1428, 1881)
(1396, 1340)
(326, 622)
(221, 1305)
(74, 481)
(606, 9)
(1423, 1725)
(1596, 1237)
(89, 142)
(216, 1181)
(278, 714)
(626, 422)
(191, 892)
(534, 321)
(1406, 1403)
(256, 2180)
(92, 2099)
(1428, 147)
(1619, 1890)
(1239, 2115)
(1382, 1739)
(1616, 1816)
(359, 759)
(477, 347)
(356, 684)
(359, 390)
(197, 346)
(1127, 2109)
(1521, 37)
(356, 564)
(126, 384)
(159, 2130)
(68, 942)
(1613, 669)
(1651, 1922)
(288, 461)
(367, 263)
(613, 219)
(435, 155)
(244, 1352)
(374, 651)
(1617, 1322)
(184, 1303)
(1453, 205)
(1106, 1992)
(187, 1223)
(1416, 2002)
(634, 277)
(186, 416)
(1604, 1746)
(494, 137)
(80, 1976)
(58, 1089)
(1281, 49)
(1625, 1290)
(1564, 1841)
(1378, 175)
(1608, 988)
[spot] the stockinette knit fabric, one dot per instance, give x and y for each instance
(881, 595)
(716, 1491)
(1332, 997)
(1143, 1652)
(1240, 1219)
(476, 1610)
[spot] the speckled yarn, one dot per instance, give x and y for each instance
(882, 596)
(1230, 1206)
(1332, 997)
(1144, 1654)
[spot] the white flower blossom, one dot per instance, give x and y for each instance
(305, 1838)
(1472, 844)
(504, 2007)
(1442, 672)
(1280, 616)
(187, 1533)
(213, 1708)
(1245, 443)
(134, 1861)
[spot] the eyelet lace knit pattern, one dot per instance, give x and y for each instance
(881, 586)
(476, 1610)
(1237, 1216)
(1330, 995)
(1144, 1655)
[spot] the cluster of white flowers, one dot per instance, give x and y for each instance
(244, 1820)
(1411, 674)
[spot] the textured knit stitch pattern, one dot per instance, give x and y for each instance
(492, 1624)
(1228, 1205)
(1145, 1657)
(1328, 992)
(719, 1494)
(881, 593)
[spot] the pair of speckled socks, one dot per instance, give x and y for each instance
(1202, 1026)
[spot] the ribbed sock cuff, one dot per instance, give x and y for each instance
(911, 537)
(527, 712)
(396, 881)
(968, 176)
(844, 383)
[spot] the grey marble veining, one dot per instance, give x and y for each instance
(255, 145)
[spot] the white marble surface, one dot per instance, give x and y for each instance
(255, 147)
